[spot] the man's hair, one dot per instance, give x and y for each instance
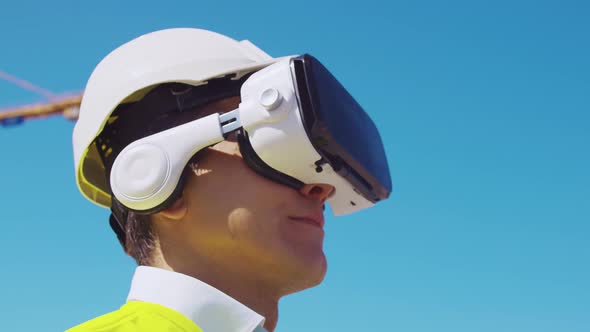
(140, 238)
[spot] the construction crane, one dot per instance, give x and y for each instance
(67, 105)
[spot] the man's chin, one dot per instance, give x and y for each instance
(321, 274)
(308, 274)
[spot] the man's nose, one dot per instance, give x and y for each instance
(317, 191)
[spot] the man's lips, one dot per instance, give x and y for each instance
(316, 219)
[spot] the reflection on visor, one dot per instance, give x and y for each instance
(340, 130)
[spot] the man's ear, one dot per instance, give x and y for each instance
(176, 211)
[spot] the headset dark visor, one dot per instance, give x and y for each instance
(340, 130)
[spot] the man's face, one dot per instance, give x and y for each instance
(247, 224)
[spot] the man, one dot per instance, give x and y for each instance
(202, 183)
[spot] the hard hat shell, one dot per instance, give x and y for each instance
(185, 55)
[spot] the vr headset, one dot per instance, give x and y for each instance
(296, 124)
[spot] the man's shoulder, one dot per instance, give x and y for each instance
(138, 316)
(113, 321)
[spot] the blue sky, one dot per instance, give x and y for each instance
(484, 109)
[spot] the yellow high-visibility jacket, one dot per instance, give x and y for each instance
(135, 316)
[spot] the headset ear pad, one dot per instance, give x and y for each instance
(139, 172)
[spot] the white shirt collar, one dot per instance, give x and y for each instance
(211, 309)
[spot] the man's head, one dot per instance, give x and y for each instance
(231, 219)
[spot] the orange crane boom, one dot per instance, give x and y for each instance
(67, 107)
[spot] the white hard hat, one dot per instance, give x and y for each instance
(190, 56)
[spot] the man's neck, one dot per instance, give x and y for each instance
(252, 293)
